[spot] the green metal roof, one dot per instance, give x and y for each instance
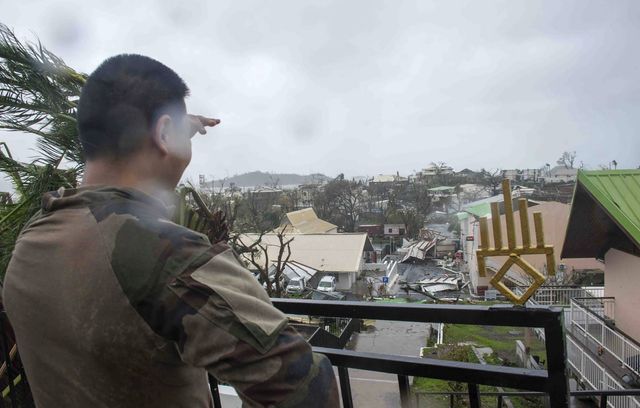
(480, 210)
(605, 213)
(618, 191)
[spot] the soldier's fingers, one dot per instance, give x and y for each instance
(210, 122)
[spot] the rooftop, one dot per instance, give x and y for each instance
(605, 214)
(306, 221)
(323, 252)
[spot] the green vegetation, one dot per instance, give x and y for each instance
(38, 96)
(421, 385)
(500, 339)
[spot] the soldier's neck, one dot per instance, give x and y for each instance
(131, 174)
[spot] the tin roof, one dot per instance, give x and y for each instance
(605, 213)
(306, 221)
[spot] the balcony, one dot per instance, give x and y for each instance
(549, 384)
(552, 382)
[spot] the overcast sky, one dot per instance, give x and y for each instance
(369, 87)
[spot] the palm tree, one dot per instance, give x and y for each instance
(38, 97)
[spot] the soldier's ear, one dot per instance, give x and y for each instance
(160, 134)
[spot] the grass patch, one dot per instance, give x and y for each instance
(500, 339)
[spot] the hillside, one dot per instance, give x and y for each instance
(259, 178)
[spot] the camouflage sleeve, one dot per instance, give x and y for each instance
(225, 322)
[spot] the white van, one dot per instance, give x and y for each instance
(327, 284)
(296, 285)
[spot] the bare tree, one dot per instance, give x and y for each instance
(274, 181)
(413, 222)
(341, 202)
(259, 258)
(422, 198)
(349, 202)
(442, 177)
(567, 159)
(491, 179)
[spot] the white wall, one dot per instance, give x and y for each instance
(344, 280)
(622, 281)
(229, 397)
(470, 227)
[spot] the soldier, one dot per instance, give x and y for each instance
(113, 305)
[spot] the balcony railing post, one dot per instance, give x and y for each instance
(345, 387)
(405, 391)
(603, 401)
(474, 398)
(215, 391)
(556, 364)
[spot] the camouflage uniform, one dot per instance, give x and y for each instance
(115, 306)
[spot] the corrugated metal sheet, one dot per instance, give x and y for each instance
(306, 221)
(618, 191)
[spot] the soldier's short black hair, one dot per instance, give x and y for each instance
(121, 101)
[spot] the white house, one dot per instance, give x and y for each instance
(561, 174)
(340, 255)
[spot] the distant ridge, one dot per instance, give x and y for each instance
(259, 178)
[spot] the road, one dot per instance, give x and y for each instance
(374, 389)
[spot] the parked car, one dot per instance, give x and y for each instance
(296, 285)
(327, 284)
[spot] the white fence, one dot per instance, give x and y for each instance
(586, 316)
(595, 376)
(562, 295)
(590, 325)
(559, 296)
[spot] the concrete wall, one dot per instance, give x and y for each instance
(344, 280)
(470, 227)
(622, 281)
(555, 219)
(555, 216)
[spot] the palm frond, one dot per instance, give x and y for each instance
(193, 213)
(38, 96)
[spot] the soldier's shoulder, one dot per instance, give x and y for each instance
(146, 252)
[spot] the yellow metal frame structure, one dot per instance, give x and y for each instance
(513, 251)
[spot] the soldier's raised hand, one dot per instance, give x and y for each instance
(198, 124)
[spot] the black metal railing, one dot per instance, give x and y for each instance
(552, 382)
